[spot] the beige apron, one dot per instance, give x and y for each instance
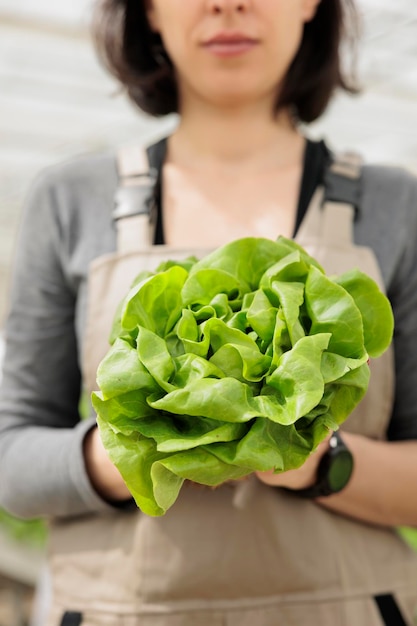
(243, 554)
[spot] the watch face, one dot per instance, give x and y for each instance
(340, 470)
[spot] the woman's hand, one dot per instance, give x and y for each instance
(382, 487)
(104, 476)
(304, 476)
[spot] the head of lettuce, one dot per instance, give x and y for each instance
(241, 361)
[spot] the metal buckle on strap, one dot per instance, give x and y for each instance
(343, 180)
(134, 196)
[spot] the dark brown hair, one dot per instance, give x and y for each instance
(135, 55)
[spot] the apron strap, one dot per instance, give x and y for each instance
(133, 212)
(341, 198)
(329, 218)
(341, 179)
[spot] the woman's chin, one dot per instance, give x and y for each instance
(227, 98)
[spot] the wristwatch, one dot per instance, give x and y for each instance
(333, 473)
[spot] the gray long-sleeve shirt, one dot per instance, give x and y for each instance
(67, 223)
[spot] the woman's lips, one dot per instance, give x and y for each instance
(224, 45)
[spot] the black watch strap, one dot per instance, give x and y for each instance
(333, 473)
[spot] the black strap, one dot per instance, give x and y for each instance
(317, 158)
(71, 618)
(316, 171)
(389, 610)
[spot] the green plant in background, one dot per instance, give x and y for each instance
(409, 535)
(35, 532)
(31, 532)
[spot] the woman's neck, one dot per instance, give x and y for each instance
(239, 142)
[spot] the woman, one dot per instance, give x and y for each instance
(242, 75)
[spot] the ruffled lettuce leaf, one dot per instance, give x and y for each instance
(240, 362)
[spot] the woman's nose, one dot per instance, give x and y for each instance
(228, 6)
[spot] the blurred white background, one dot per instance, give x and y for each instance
(56, 101)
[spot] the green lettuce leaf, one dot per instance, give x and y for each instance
(239, 362)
